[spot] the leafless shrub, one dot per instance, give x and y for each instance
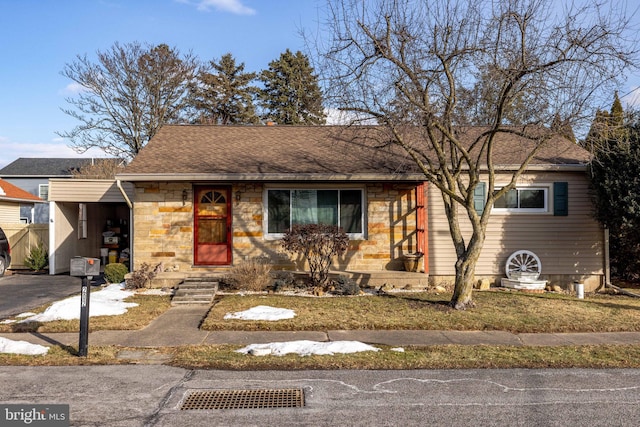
(142, 277)
(253, 274)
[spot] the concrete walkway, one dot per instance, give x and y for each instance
(180, 326)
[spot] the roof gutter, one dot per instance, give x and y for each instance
(357, 177)
(124, 194)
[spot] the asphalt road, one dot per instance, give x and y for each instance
(152, 395)
(20, 293)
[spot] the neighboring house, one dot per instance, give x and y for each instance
(32, 175)
(208, 197)
(11, 199)
(22, 237)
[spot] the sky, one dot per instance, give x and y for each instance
(39, 37)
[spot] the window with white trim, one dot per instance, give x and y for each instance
(524, 199)
(43, 191)
(291, 206)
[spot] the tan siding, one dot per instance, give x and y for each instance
(23, 238)
(86, 191)
(566, 245)
(10, 212)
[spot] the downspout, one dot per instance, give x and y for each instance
(124, 194)
(128, 201)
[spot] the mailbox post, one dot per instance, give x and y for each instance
(85, 268)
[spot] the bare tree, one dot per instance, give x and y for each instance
(414, 64)
(100, 169)
(126, 95)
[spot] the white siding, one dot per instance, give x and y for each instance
(566, 245)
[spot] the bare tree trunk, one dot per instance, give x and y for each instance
(465, 275)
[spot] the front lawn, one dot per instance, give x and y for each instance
(515, 312)
(149, 307)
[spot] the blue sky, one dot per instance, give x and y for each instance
(39, 37)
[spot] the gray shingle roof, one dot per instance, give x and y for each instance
(296, 152)
(47, 167)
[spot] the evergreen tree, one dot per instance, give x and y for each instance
(615, 183)
(291, 94)
(223, 94)
(607, 128)
(563, 127)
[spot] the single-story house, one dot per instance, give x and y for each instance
(207, 197)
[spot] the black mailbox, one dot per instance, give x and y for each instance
(85, 267)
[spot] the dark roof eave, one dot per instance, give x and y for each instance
(270, 177)
(572, 167)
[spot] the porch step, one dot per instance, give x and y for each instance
(195, 291)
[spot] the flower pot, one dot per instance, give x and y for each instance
(412, 262)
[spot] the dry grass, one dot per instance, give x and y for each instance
(495, 310)
(509, 311)
(226, 357)
(149, 307)
(431, 357)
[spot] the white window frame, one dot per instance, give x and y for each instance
(43, 188)
(547, 188)
(276, 236)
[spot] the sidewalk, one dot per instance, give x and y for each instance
(179, 326)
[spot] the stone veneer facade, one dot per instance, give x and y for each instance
(163, 228)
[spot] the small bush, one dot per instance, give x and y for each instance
(142, 277)
(38, 259)
(250, 275)
(344, 285)
(115, 272)
(318, 244)
(287, 281)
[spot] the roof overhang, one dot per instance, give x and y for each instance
(363, 177)
(20, 200)
(272, 177)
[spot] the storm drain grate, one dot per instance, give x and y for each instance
(244, 399)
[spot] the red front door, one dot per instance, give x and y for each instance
(212, 239)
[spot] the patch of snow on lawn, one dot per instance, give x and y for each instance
(105, 302)
(21, 347)
(307, 348)
(262, 312)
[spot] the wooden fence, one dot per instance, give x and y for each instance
(23, 238)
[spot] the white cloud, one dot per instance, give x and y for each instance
(73, 89)
(339, 118)
(232, 6)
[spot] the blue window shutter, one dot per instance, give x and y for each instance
(561, 198)
(479, 197)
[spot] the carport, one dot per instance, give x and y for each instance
(88, 217)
